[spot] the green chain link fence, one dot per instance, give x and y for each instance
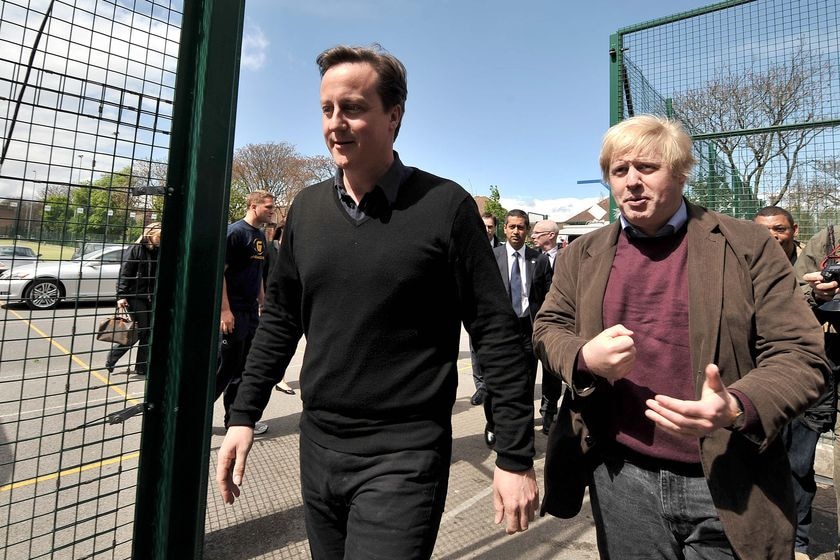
(757, 84)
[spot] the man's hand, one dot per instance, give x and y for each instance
(823, 291)
(227, 321)
(717, 408)
(611, 354)
(230, 467)
(515, 498)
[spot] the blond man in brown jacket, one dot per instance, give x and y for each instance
(686, 346)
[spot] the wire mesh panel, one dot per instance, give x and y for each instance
(86, 91)
(757, 84)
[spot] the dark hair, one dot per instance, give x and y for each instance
(768, 211)
(518, 214)
(491, 216)
(392, 87)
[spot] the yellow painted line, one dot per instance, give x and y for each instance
(104, 380)
(67, 472)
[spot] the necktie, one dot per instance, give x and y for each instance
(516, 285)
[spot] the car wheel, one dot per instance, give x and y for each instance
(43, 294)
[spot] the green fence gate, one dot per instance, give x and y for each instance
(111, 120)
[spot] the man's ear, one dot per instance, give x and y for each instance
(395, 116)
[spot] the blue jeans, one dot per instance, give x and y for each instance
(373, 507)
(801, 444)
(646, 514)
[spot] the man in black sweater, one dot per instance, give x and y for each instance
(378, 268)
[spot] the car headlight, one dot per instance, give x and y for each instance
(15, 275)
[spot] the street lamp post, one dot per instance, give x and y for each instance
(81, 156)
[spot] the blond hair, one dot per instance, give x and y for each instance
(649, 135)
(255, 197)
(151, 230)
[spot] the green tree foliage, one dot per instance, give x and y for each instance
(238, 193)
(495, 207)
(101, 211)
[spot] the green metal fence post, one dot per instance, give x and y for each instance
(172, 484)
(616, 105)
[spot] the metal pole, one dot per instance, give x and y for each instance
(174, 454)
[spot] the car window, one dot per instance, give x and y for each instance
(112, 256)
(24, 252)
(6, 251)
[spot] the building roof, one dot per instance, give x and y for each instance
(597, 213)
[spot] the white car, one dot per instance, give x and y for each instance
(16, 255)
(43, 284)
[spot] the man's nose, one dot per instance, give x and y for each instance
(336, 121)
(633, 175)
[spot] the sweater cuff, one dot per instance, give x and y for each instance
(514, 463)
(241, 419)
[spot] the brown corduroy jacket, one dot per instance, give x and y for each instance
(747, 315)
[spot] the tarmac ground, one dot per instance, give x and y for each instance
(266, 522)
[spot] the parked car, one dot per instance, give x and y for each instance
(13, 255)
(90, 247)
(43, 284)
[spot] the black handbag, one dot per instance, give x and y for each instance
(119, 329)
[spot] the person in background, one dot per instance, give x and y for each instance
(135, 290)
(545, 237)
(273, 234)
(478, 377)
(802, 434)
(820, 253)
(782, 227)
(526, 276)
(378, 268)
(686, 347)
(243, 295)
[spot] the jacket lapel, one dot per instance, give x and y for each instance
(706, 251)
(501, 260)
(594, 274)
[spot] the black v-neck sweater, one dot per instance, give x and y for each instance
(380, 302)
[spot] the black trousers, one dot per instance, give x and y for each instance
(233, 351)
(373, 507)
(140, 311)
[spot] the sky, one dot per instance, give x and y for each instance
(511, 94)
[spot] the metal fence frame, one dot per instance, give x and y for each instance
(126, 509)
(655, 65)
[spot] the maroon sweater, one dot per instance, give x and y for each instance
(648, 293)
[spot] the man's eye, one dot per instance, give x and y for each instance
(326, 109)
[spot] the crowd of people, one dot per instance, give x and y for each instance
(687, 356)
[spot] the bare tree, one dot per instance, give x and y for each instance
(278, 168)
(738, 101)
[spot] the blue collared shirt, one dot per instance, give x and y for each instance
(673, 225)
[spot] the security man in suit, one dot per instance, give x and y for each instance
(545, 238)
(527, 278)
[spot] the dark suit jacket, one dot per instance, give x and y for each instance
(747, 316)
(537, 275)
